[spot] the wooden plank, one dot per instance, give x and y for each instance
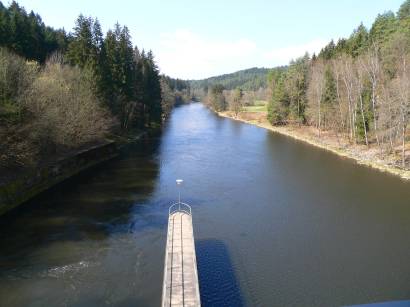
(180, 287)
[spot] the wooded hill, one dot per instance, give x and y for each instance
(248, 80)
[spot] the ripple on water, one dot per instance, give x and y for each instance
(72, 268)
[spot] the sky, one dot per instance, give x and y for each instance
(198, 39)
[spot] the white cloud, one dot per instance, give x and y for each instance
(286, 54)
(187, 55)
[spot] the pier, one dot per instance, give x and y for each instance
(180, 286)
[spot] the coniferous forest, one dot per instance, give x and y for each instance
(62, 90)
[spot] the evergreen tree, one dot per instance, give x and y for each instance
(4, 25)
(138, 77)
(329, 51)
(358, 41)
(278, 107)
(152, 89)
(384, 26)
(126, 80)
(82, 51)
(296, 87)
(404, 10)
(341, 46)
(26, 34)
(109, 59)
(329, 95)
(126, 60)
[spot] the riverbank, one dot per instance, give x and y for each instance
(30, 182)
(328, 141)
(20, 185)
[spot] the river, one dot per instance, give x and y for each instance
(276, 223)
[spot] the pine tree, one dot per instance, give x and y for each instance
(126, 58)
(296, 87)
(404, 10)
(26, 34)
(110, 60)
(328, 52)
(358, 41)
(81, 51)
(278, 107)
(4, 26)
(18, 41)
(384, 26)
(153, 89)
(329, 95)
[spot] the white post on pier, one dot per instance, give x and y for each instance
(179, 183)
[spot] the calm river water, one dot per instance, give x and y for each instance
(276, 223)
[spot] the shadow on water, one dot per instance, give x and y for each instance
(89, 206)
(217, 280)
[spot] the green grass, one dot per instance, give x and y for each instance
(260, 102)
(260, 106)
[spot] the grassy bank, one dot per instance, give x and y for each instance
(360, 153)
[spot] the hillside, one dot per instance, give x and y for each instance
(248, 79)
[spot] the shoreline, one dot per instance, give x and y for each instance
(32, 182)
(347, 152)
(19, 189)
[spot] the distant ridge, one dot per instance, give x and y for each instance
(247, 79)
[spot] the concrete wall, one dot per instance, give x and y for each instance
(32, 183)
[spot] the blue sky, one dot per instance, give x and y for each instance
(197, 39)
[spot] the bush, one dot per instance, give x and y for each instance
(42, 112)
(64, 108)
(16, 75)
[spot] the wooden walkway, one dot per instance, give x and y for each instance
(180, 287)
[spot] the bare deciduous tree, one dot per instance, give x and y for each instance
(401, 90)
(64, 109)
(359, 84)
(349, 78)
(315, 92)
(370, 63)
(235, 101)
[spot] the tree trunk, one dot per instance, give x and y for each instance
(376, 132)
(364, 122)
(319, 120)
(299, 111)
(403, 159)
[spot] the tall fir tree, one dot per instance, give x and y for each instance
(329, 95)
(278, 107)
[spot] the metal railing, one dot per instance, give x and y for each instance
(180, 207)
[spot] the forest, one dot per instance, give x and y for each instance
(356, 89)
(249, 79)
(60, 91)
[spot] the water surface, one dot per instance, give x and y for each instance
(276, 222)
